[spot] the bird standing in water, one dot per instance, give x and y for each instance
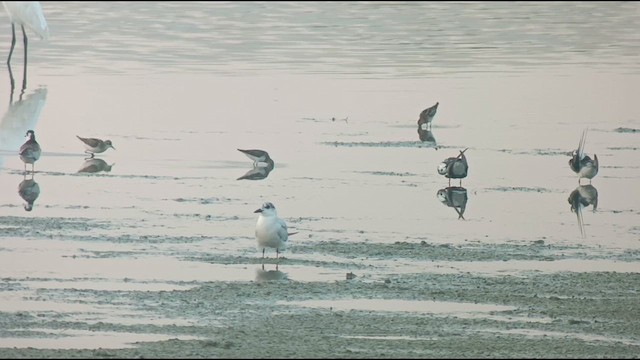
(455, 167)
(95, 146)
(271, 231)
(30, 151)
(581, 163)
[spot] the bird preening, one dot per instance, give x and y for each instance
(30, 151)
(455, 167)
(259, 157)
(581, 163)
(426, 117)
(27, 14)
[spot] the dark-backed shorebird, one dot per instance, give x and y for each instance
(30, 151)
(455, 167)
(427, 115)
(581, 163)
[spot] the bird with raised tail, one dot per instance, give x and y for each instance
(581, 163)
(455, 167)
(95, 146)
(271, 231)
(30, 151)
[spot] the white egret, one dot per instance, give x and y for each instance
(29, 14)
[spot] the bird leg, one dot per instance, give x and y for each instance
(24, 71)
(263, 253)
(13, 42)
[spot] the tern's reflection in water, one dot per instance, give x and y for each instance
(455, 197)
(258, 172)
(29, 190)
(94, 165)
(263, 275)
(581, 197)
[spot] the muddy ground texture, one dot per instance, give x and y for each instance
(555, 314)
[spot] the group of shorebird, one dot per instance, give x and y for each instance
(30, 151)
(271, 231)
(458, 167)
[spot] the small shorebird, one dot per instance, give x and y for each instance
(271, 231)
(455, 167)
(95, 146)
(30, 151)
(259, 157)
(427, 115)
(29, 190)
(581, 163)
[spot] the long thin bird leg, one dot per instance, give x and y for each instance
(13, 42)
(24, 77)
(13, 45)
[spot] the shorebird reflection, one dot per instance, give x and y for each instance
(29, 190)
(455, 197)
(581, 197)
(425, 135)
(94, 165)
(263, 275)
(262, 164)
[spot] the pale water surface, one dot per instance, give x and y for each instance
(332, 91)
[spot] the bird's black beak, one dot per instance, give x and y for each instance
(258, 211)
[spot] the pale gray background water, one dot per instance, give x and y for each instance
(178, 87)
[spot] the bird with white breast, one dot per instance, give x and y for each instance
(30, 151)
(271, 231)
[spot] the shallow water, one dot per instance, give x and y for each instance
(332, 91)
